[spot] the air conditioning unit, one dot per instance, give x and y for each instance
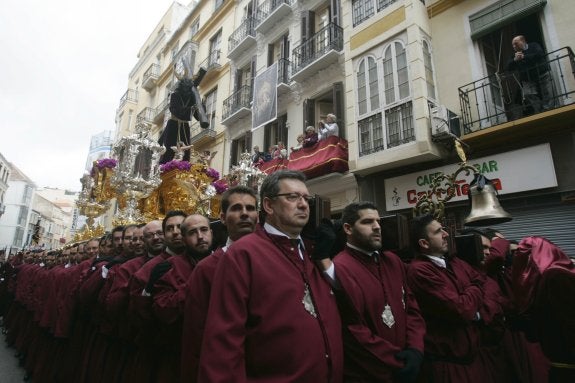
(444, 123)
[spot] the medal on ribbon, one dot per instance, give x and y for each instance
(387, 316)
(308, 302)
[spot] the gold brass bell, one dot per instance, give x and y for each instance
(485, 207)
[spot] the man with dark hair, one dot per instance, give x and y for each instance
(117, 240)
(450, 295)
(272, 316)
(383, 329)
(105, 245)
(239, 214)
(169, 289)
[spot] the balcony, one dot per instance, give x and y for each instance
(284, 75)
(200, 136)
(160, 111)
(238, 105)
(211, 62)
(146, 115)
(270, 13)
(150, 77)
(317, 53)
(131, 95)
(502, 100)
(242, 39)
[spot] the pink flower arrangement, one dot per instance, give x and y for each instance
(175, 164)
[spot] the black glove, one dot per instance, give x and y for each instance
(157, 272)
(324, 240)
(413, 359)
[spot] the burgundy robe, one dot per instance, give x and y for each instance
(449, 299)
(258, 327)
(370, 345)
(198, 289)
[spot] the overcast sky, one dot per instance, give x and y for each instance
(64, 66)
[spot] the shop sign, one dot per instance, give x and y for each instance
(511, 172)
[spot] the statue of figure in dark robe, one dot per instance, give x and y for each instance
(185, 102)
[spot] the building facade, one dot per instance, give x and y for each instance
(4, 176)
(403, 77)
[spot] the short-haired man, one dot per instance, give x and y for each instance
(384, 342)
(239, 214)
(450, 295)
(169, 288)
(272, 316)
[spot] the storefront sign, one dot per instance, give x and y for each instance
(511, 172)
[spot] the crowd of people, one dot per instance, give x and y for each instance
(165, 302)
(310, 138)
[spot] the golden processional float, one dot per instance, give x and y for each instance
(145, 190)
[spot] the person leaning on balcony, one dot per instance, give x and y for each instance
(300, 139)
(328, 127)
(536, 84)
(311, 137)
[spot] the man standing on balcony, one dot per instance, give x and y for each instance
(536, 84)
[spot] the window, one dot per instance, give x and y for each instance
(175, 50)
(27, 196)
(361, 11)
(399, 125)
(194, 28)
(367, 86)
(370, 134)
(18, 236)
(210, 105)
(218, 4)
(215, 43)
(382, 4)
(395, 74)
(428, 70)
(22, 215)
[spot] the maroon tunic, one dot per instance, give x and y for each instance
(449, 299)
(198, 289)
(258, 327)
(371, 346)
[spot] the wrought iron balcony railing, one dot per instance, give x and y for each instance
(146, 115)
(212, 61)
(284, 71)
(246, 29)
(328, 38)
(160, 110)
(131, 95)
(508, 96)
(150, 76)
(238, 100)
(267, 7)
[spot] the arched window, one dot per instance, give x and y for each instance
(395, 73)
(428, 70)
(367, 86)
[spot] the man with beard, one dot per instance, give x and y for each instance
(140, 305)
(168, 290)
(383, 328)
(272, 316)
(240, 216)
(450, 295)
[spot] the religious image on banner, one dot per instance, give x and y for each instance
(264, 107)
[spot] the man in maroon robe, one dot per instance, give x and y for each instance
(450, 295)
(272, 316)
(383, 333)
(168, 293)
(240, 216)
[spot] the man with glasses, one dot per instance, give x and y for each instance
(272, 315)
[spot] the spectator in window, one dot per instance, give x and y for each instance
(258, 156)
(328, 127)
(311, 137)
(299, 145)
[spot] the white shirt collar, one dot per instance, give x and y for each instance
(272, 230)
(439, 261)
(361, 250)
(228, 244)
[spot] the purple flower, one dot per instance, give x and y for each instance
(212, 173)
(106, 163)
(175, 164)
(220, 186)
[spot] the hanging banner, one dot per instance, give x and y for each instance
(511, 172)
(264, 104)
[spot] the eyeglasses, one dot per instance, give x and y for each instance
(160, 234)
(293, 197)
